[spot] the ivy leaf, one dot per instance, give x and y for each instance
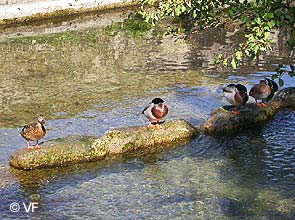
(239, 55)
(281, 82)
(218, 59)
(224, 62)
(274, 76)
(234, 63)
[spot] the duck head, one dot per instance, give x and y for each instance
(229, 88)
(157, 101)
(272, 84)
(41, 119)
(234, 88)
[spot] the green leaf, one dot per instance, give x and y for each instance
(218, 59)
(239, 55)
(234, 63)
(270, 15)
(231, 12)
(224, 62)
(257, 20)
(274, 76)
(281, 82)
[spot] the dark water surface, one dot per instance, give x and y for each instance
(88, 80)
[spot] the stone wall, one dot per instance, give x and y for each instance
(11, 2)
(11, 9)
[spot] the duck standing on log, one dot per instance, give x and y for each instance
(155, 112)
(263, 91)
(236, 94)
(34, 132)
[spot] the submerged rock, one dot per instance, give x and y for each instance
(222, 121)
(73, 150)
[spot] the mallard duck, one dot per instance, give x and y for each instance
(155, 112)
(236, 94)
(263, 91)
(34, 132)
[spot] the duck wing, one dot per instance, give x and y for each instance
(145, 109)
(28, 128)
(274, 88)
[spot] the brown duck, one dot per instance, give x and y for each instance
(263, 91)
(155, 112)
(34, 132)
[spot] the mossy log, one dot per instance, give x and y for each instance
(222, 121)
(74, 150)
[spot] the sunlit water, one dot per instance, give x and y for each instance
(89, 81)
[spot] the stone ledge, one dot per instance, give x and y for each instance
(23, 13)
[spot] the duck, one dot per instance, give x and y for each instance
(264, 91)
(156, 111)
(34, 132)
(236, 94)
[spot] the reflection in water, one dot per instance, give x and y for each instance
(72, 76)
(88, 81)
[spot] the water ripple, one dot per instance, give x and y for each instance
(279, 156)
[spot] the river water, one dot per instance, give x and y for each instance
(89, 79)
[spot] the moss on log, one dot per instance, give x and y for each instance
(222, 121)
(74, 150)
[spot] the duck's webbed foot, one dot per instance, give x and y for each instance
(257, 103)
(37, 146)
(30, 147)
(150, 125)
(235, 111)
(158, 126)
(261, 105)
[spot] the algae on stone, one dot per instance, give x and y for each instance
(60, 152)
(73, 150)
(222, 121)
(133, 138)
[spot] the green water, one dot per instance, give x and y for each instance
(88, 80)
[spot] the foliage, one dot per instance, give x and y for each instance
(257, 18)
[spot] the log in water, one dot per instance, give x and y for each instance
(74, 150)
